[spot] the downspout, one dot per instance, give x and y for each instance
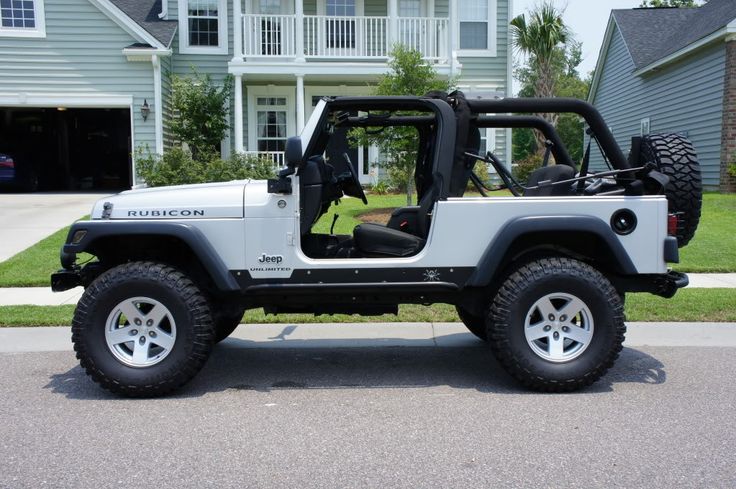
(164, 10)
(158, 104)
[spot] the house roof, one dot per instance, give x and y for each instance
(145, 14)
(652, 34)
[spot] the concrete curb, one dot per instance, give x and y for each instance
(371, 335)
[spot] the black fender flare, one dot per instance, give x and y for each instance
(517, 228)
(188, 234)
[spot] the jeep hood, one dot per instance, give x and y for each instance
(202, 201)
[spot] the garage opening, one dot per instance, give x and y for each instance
(67, 149)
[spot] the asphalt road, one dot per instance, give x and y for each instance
(372, 417)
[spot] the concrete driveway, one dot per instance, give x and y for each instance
(28, 218)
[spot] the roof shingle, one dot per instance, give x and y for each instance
(145, 14)
(654, 33)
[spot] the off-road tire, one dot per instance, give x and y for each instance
(475, 324)
(187, 305)
(675, 157)
(225, 324)
(517, 296)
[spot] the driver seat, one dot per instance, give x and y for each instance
(377, 241)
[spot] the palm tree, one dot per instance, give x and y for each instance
(539, 39)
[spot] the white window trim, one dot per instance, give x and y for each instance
(222, 34)
(492, 35)
(38, 32)
(256, 91)
(648, 122)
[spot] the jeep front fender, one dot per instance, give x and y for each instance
(84, 235)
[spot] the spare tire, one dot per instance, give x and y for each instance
(674, 156)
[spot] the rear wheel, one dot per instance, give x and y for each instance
(556, 325)
(142, 329)
(674, 156)
(475, 324)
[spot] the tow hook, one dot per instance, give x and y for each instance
(668, 285)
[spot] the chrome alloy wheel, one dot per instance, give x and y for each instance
(140, 332)
(559, 327)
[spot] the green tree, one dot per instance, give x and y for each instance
(539, 39)
(670, 3)
(409, 74)
(568, 83)
(202, 109)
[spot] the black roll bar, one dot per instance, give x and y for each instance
(559, 150)
(558, 105)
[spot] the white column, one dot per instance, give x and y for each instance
(238, 126)
(393, 23)
(158, 105)
(237, 30)
(299, 30)
(454, 37)
(299, 103)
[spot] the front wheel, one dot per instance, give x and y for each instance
(557, 325)
(142, 329)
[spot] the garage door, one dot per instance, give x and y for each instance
(68, 149)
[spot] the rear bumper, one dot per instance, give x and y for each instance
(664, 285)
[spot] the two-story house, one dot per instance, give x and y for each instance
(83, 83)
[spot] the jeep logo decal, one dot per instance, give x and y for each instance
(275, 259)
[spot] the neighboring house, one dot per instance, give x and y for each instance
(672, 70)
(84, 83)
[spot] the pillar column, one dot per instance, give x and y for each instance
(237, 30)
(393, 23)
(299, 103)
(299, 30)
(238, 114)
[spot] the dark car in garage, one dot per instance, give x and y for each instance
(16, 174)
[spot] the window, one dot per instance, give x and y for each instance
(410, 8)
(477, 19)
(203, 26)
(270, 118)
(22, 18)
(341, 8)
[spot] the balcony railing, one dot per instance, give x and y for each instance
(327, 37)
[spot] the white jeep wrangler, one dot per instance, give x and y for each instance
(540, 276)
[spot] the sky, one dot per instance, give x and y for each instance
(587, 19)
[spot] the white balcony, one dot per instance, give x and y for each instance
(324, 37)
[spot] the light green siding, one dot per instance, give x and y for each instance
(684, 97)
(81, 54)
(491, 70)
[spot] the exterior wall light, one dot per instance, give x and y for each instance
(145, 110)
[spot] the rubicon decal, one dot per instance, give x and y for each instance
(168, 213)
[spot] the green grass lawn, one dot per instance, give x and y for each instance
(689, 305)
(712, 250)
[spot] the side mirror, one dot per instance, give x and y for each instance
(294, 154)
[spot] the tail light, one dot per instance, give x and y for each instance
(672, 221)
(7, 163)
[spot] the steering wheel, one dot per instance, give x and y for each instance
(354, 185)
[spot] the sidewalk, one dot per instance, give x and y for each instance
(43, 296)
(383, 335)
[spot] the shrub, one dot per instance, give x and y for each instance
(177, 167)
(525, 167)
(732, 169)
(381, 187)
